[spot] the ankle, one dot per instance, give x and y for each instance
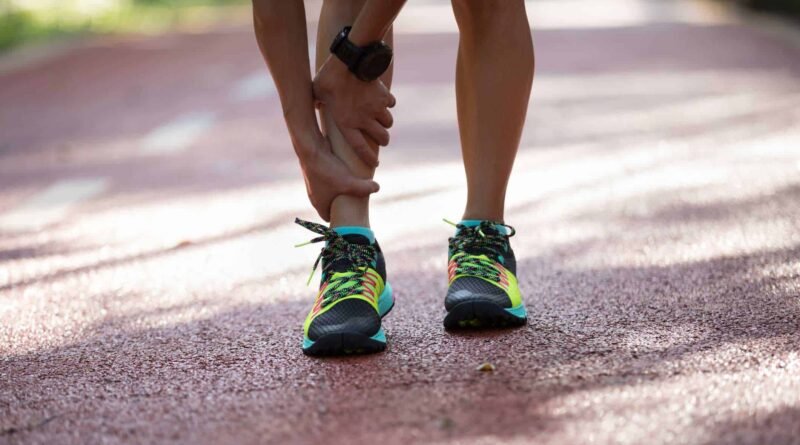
(496, 216)
(349, 211)
(366, 232)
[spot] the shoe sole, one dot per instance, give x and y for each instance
(352, 343)
(484, 315)
(346, 343)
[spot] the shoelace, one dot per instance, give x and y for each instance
(475, 249)
(357, 256)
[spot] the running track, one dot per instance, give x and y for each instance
(150, 293)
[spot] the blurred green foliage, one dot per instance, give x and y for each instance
(27, 20)
(30, 20)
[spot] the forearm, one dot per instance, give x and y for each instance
(374, 20)
(280, 28)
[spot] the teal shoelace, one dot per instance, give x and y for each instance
(470, 242)
(338, 250)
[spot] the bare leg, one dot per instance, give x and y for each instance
(335, 15)
(494, 73)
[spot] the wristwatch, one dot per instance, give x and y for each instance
(366, 62)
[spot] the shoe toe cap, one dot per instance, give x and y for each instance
(347, 316)
(475, 289)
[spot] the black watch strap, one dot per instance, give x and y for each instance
(345, 50)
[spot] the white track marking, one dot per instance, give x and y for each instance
(258, 85)
(177, 135)
(51, 204)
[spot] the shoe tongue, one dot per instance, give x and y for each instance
(353, 238)
(344, 264)
(491, 230)
(488, 230)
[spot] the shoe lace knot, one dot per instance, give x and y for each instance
(476, 250)
(343, 263)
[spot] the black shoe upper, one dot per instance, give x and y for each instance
(352, 316)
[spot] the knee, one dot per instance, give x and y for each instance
(485, 12)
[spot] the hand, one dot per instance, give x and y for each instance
(359, 109)
(327, 177)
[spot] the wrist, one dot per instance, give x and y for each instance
(360, 36)
(366, 62)
(337, 66)
(332, 72)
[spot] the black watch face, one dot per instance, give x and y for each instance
(375, 63)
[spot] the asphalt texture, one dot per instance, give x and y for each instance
(150, 291)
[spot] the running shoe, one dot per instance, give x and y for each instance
(353, 295)
(483, 290)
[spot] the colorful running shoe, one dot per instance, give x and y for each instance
(483, 290)
(353, 295)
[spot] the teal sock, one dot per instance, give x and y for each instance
(475, 222)
(366, 232)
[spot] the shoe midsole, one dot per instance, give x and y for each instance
(517, 311)
(379, 337)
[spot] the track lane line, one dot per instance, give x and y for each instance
(258, 85)
(52, 204)
(178, 134)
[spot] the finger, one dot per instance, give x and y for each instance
(325, 214)
(385, 118)
(324, 210)
(361, 147)
(361, 188)
(376, 131)
(390, 100)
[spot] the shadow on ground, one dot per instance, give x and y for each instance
(239, 373)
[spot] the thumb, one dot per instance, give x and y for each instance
(361, 187)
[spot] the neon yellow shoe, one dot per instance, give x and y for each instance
(483, 290)
(353, 295)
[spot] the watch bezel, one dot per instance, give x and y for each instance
(372, 52)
